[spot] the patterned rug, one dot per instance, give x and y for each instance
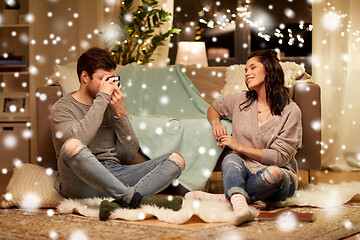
(331, 223)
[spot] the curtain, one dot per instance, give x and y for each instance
(336, 68)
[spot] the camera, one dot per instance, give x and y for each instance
(115, 79)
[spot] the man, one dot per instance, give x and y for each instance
(92, 136)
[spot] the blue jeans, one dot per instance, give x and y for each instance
(83, 176)
(238, 179)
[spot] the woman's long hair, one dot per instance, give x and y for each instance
(277, 95)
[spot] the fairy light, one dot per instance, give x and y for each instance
(244, 13)
(336, 16)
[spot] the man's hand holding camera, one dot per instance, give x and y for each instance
(117, 102)
(117, 98)
(107, 86)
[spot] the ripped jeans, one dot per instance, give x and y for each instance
(83, 176)
(238, 179)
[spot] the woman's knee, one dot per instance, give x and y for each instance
(273, 174)
(232, 159)
(73, 146)
(178, 159)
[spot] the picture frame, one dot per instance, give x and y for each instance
(14, 105)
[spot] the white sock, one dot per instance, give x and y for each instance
(241, 209)
(204, 196)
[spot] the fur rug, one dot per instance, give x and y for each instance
(322, 195)
(208, 211)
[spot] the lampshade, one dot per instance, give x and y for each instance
(191, 53)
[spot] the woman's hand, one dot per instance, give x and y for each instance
(226, 140)
(250, 152)
(218, 130)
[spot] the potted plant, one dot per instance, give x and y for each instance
(11, 12)
(137, 34)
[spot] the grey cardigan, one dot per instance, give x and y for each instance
(279, 137)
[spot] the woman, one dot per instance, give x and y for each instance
(266, 132)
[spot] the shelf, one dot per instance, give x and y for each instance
(14, 119)
(16, 80)
(14, 25)
(12, 73)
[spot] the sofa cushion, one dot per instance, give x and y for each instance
(67, 77)
(31, 186)
(208, 80)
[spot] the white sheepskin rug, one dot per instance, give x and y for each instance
(321, 195)
(208, 211)
(324, 195)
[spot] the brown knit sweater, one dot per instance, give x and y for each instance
(279, 137)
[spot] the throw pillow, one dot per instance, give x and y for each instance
(235, 76)
(67, 77)
(31, 187)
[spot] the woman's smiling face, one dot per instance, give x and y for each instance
(254, 74)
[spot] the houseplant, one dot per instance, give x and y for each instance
(137, 34)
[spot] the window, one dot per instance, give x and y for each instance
(287, 23)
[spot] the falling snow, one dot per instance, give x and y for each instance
(286, 222)
(31, 201)
(53, 234)
(332, 19)
(78, 235)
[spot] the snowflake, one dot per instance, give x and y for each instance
(26, 134)
(10, 141)
(8, 196)
(206, 172)
(164, 100)
(347, 224)
(78, 235)
(59, 134)
(202, 150)
(316, 125)
(196, 204)
(158, 131)
(286, 222)
(175, 183)
(53, 234)
(49, 171)
(50, 212)
(141, 216)
(212, 152)
(42, 97)
(31, 201)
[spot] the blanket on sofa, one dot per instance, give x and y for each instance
(168, 114)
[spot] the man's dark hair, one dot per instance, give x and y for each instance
(94, 59)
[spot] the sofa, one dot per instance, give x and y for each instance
(211, 82)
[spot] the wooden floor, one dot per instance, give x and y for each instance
(313, 176)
